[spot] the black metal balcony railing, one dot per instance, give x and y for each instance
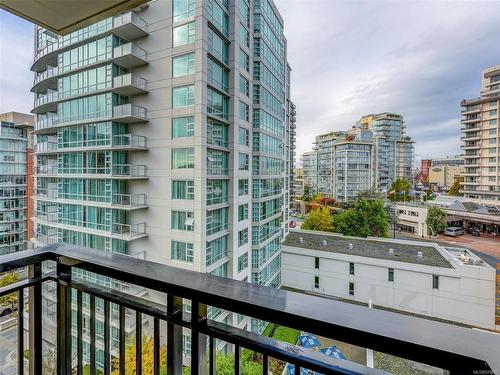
(455, 348)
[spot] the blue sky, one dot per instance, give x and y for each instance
(350, 58)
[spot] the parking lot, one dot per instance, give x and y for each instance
(484, 243)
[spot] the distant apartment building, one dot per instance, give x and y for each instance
(445, 171)
(309, 162)
(371, 155)
(354, 165)
(413, 277)
(298, 182)
(168, 132)
(425, 166)
(324, 146)
(480, 139)
(291, 133)
(16, 181)
(394, 150)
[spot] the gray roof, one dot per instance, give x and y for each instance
(403, 252)
(468, 207)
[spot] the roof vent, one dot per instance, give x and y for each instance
(391, 251)
(419, 255)
(325, 243)
(349, 246)
(301, 239)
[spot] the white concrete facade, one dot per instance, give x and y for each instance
(465, 292)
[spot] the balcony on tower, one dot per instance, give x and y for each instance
(128, 26)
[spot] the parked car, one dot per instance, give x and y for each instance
(473, 231)
(453, 231)
(5, 310)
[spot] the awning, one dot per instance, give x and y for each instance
(65, 16)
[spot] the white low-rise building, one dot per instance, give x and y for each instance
(411, 218)
(415, 277)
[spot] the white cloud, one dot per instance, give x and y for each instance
(418, 59)
(349, 58)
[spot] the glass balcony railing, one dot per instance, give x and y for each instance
(129, 200)
(46, 170)
(46, 147)
(130, 55)
(125, 84)
(46, 192)
(215, 170)
(50, 72)
(129, 170)
(117, 22)
(45, 99)
(128, 230)
(130, 111)
(128, 140)
(124, 113)
(45, 239)
(213, 228)
(129, 79)
(118, 170)
(49, 217)
(129, 18)
(119, 200)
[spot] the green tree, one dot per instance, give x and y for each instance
(436, 219)
(147, 358)
(306, 196)
(7, 279)
(455, 188)
(429, 194)
(371, 194)
(367, 218)
(399, 190)
(319, 219)
(224, 365)
(316, 198)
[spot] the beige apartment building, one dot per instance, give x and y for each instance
(480, 146)
(444, 171)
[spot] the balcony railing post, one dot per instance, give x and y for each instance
(20, 332)
(64, 353)
(174, 337)
(198, 341)
(35, 320)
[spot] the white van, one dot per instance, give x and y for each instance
(454, 231)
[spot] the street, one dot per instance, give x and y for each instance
(8, 351)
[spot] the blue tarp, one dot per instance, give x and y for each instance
(309, 341)
(290, 370)
(333, 351)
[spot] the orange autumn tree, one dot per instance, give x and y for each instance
(147, 358)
